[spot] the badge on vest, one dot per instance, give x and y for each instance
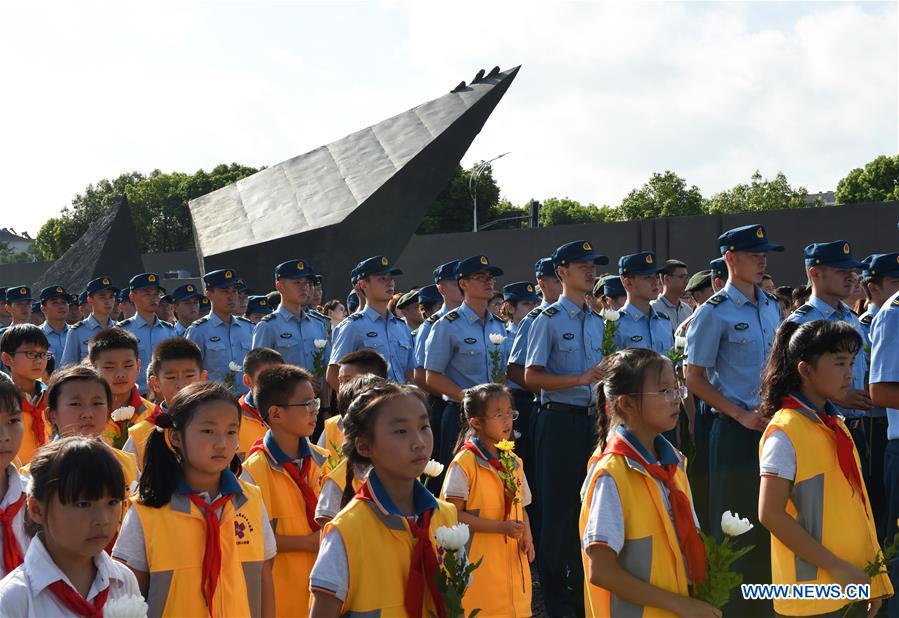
(741, 326)
(286, 335)
(371, 334)
(470, 340)
(215, 339)
(568, 336)
(637, 338)
(241, 526)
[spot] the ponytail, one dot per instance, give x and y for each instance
(780, 375)
(474, 405)
(603, 421)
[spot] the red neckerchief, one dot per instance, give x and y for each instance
(249, 410)
(76, 603)
(496, 465)
(36, 410)
(155, 413)
(423, 568)
(12, 554)
(212, 554)
(684, 526)
(845, 446)
(299, 477)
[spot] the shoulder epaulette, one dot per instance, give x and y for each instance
(205, 318)
(452, 315)
(268, 317)
(123, 323)
(772, 297)
(355, 316)
(243, 319)
(664, 316)
(77, 324)
(895, 303)
(717, 299)
(804, 309)
(535, 312)
(550, 312)
(866, 319)
(167, 324)
(432, 318)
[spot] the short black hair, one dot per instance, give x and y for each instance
(768, 277)
(670, 266)
(367, 361)
(257, 357)
(10, 396)
(111, 339)
(20, 334)
(175, 348)
(275, 384)
(74, 373)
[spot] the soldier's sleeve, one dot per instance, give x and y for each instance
(438, 348)
(704, 337)
(539, 342)
(343, 343)
(197, 337)
(70, 350)
(420, 340)
(520, 343)
(884, 351)
(261, 336)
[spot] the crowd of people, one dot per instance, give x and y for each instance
(220, 452)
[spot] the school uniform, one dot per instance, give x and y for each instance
(169, 544)
(37, 428)
(27, 591)
(12, 521)
(801, 445)
(366, 552)
(333, 485)
(290, 492)
(252, 427)
(331, 438)
(142, 408)
(139, 433)
(502, 584)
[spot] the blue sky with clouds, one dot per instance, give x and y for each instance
(608, 93)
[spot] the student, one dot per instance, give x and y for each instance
(176, 363)
(252, 425)
(100, 298)
(641, 548)
(812, 497)
(349, 366)
(13, 539)
(188, 491)
(114, 353)
(493, 510)
(287, 469)
(75, 501)
(23, 349)
(365, 562)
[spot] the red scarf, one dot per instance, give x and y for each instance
(845, 446)
(155, 413)
(249, 410)
(684, 526)
(76, 603)
(36, 410)
(12, 554)
(496, 465)
(423, 568)
(212, 554)
(299, 477)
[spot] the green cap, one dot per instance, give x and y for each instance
(699, 281)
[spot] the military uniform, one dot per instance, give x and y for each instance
(80, 333)
(184, 292)
(635, 329)
(149, 334)
(56, 338)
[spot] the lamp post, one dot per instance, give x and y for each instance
(473, 185)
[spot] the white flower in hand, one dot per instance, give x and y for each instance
(232, 366)
(733, 525)
(454, 538)
(320, 344)
(131, 606)
(680, 342)
(496, 338)
(433, 469)
(122, 414)
(610, 315)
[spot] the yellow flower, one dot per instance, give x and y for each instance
(505, 445)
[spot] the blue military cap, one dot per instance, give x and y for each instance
(544, 267)
(185, 292)
(82, 298)
(204, 301)
(837, 254)
(294, 269)
(881, 264)
(750, 238)
(474, 264)
(577, 251)
(376, 265)
(719, 268)
(144, 281)
(612, 286)
(638, 264)
(258, 304)
(352, 302)
(73, 300)
(2, 293)
(521, 290)
(429, 294)
(446, 271)
(167, 298)
(36, 307)
(18, 293)
(101, 284)
(53, 291)
(124, 295)
(223, 278)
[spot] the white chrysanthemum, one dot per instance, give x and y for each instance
(496, 338)
(232, 366)
(610, 315)
(433, 469)
(122, 414)
(733, 525)
(131, 606)
(452, 538)
(320, 344)
(680, 342)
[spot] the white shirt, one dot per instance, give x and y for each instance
(456, 485)
(24, 592)
(331, 496)
(778, 456)
(14, 489)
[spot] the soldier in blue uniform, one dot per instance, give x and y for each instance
(563, 356)
(291, 330)
(612, 292)
(74, 315)
(375, 327)
(55, 305)
(18, 304)
(257, 308)
(223, 338)
(429, 302)
(5, 317)
(100, 296)
(458, 352)
(125, 307)
(205, 306)
(728, 343)
(719, 274)
(880, 280)
(187, 307)
(149, 330)
(37, 316)
(639, 325)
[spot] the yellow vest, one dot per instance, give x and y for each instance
(334, 438)
(831, 515)
(251, 431)
(651, 549)
(174, 539)
(501, 586)
(338, 476)
(112, 428)
(379, 554)
(287, 510)
(139, 433)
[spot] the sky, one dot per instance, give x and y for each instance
(608, 93)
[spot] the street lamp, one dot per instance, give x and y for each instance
(473, 185)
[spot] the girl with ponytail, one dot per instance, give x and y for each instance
(636, 497)
(813, 499)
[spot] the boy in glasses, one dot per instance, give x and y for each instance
(24, 349)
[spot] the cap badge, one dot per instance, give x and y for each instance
(263, 303)
(228, 274)
(760, 233)
(383, 261)
(59, 289)
(649, 259)
(846, 248)
(22, 290)
(484, 260)
(530, 288)
(190, 288)
(300, 266)
(105, 281)
(587, 246)
(151, 278)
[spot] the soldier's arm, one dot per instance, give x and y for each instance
(537, 378)
(442, 385)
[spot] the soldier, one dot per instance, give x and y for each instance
(5, 317)
(149, 330)
(100, 297)
(407, 310)
(186, 307)
(205, 307)
(55, 305)
(126, 307)
(74, 314)
(18, 304)
(719, 274)
(257, 308)
(639, 325)
(243, 297)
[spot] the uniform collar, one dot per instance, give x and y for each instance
(825, 309)
(227, 485)
(668, 303)
(49, 329)
(374, 316)
(277, 455)
(215, 320)
(92, 321)
(664, 450)
(421, 497)
(484, 452)
(248, 399)
(544, 304)
(635, 313)
(872, 310)
(739, 298)
(139, 321)
(289, 315)
(569, 307)
(829, 408)
(14, 486)
(42, 571)
(471, 317)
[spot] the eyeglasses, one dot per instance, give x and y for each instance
(671, 395)
(482, 277)
(36, 355)
(311, 406)
(503, 415)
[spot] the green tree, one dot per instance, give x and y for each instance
(564, 211)
(760, 194)
(663, 195)
(9, 256)
(877, 182)
(515, 217)
(452, 210)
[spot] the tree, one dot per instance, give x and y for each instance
(760, 194)
(663, 195)
(877, 182)
(9, 256)
(452, 210)
(563, 211)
